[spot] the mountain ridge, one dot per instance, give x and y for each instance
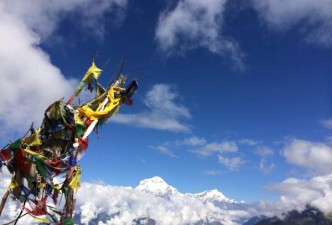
(159, 187)
(309, 216)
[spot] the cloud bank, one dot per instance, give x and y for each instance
(296, 193)
(123, 204)
(130, 204)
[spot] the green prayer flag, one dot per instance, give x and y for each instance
(68, 221)
(15, 145)
(79, 130)
(40, 166)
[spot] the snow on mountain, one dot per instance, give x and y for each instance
(152, 202)
(212, 196)
(157, 186)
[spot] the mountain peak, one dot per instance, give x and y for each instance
(155, 179)
(213, 195)
(156, 186)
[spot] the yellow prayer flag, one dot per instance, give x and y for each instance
(93, 72)
(100, 90)
(42, 220)
(13, 184)
(78, 119)
(57, 187)
(110, 109)
(75, 182)
(42, 185)
(55, 110)
(33, 140)
(37, 155)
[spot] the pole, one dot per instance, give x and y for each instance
(69, 205)
(3, 202)
(69, 197)
(106, 64)
(112, 81)
(137, 72)
(122, 66)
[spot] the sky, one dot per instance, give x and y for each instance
(233, 95)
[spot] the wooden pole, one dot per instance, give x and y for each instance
(69, 207)
(3, 202)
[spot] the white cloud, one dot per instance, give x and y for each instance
(248, 142)
(327, 123)
(123, 205)
(265, 154)
(316, 157)
(328, 139)
(196, 23)
(164, 150)
(226, 151)
(43, 19)
(264, 151)
(296, 193)
(202, 149)
(128, 204)
(216, 148)
(194, 141)
(315, 17)
(164, 112)
(232, 163)
(213, 172)
(266, 166)
(30, 82)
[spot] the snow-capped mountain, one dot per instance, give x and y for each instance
(152, 202)
(157, 186)
(219, 200)
(212, 196)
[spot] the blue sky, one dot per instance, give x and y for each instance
(233, 95)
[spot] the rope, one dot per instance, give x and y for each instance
(15, 219)
(19, 216)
